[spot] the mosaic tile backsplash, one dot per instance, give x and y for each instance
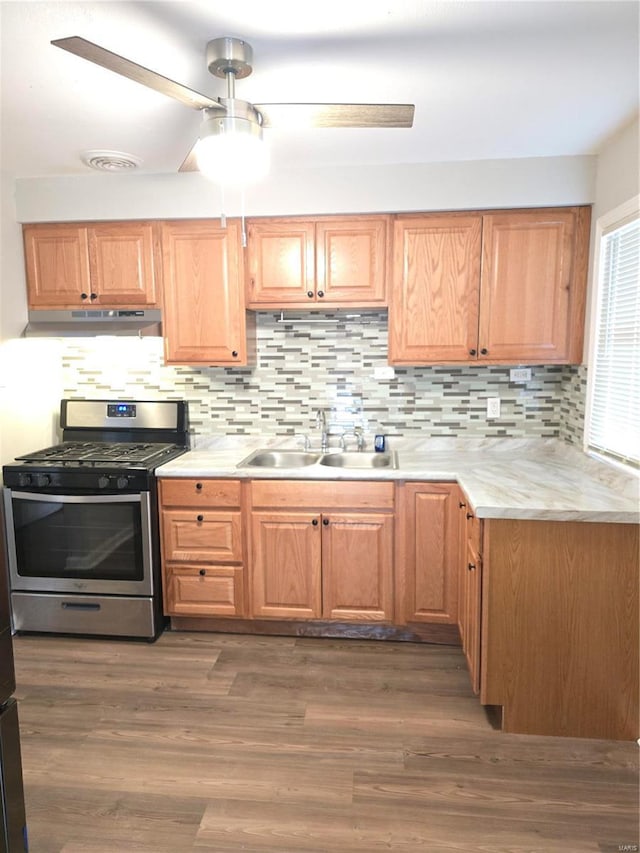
(329, 360)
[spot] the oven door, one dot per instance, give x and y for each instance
(79, 543)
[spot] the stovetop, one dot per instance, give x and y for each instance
(94, 453)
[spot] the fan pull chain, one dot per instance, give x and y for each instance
(223, 215)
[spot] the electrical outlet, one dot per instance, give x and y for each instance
(384, 372)
(520, 374)
(493, 407)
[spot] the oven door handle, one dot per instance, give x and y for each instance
(76, 499)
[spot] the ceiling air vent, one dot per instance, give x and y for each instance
(110, 161)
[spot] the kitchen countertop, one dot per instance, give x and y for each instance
(538, 479)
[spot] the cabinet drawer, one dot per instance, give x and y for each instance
(314, 495)
(210, 591)
(199, 492)
(204, 535)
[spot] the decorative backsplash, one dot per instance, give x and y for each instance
(328, 360)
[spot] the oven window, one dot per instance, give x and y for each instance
(101, 541)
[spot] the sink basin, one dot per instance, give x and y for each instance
(360, 459)
(279, 459)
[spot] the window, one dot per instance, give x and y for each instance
(613, 398)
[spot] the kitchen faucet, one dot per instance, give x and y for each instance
(321, 423)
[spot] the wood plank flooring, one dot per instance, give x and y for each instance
(212, 742)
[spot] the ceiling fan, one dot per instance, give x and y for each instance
(233, 123)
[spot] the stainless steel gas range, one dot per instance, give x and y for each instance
(82, 520)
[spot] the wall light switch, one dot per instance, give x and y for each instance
(520, 374)
(493, 407)
(384, 371)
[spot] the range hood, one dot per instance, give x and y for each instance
(92, 322)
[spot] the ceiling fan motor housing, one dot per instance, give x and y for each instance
(229, 56)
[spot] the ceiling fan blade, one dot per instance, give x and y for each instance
(190, 164)
(113, 62)
(336, 115)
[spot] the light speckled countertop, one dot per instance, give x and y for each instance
(503, 478)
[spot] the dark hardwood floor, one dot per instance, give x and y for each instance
(213, 742)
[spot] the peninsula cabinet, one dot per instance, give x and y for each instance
(204, 316)
(494, 287)
(202, 547)
(322, 550)
(559, 627)
(92, 265)
(317, 263)
(427, 553)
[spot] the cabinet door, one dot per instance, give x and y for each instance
(357, 566)
(204, 318)
(472, 603)
(122, 264)
(532, 291)
(429, 550)
(203, 591)
(57, 266)
(351, 260)
(281, 263)
(433, 312)
(285, 565)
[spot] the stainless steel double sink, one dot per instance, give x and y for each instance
(275, 458)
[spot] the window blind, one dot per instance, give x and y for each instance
(614, 406)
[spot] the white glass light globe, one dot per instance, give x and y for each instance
(235, 154)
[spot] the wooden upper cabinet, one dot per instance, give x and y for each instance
(533, 285)
(100, 265)
(433, 314)
(496, 287)
(122, 258)
(204, 317)
(332, 261)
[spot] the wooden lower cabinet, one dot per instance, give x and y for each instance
(427, 553)
(202, 547)
(558, 628)
(472, 597)
(322, 550)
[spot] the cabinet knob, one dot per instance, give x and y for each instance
(200, 518)
(469, 515)
(310, 294)
(315, 522)
(472, 352)
(84, 296)
(199, 486)
(325, 521)
(471, 566)
(203, 572)
(462, 504)
(235, 353)
(321, 293)
(94, 295)
(484, 351)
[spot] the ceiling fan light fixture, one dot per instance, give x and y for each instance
(232, 151)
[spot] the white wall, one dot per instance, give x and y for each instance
(544, 181)
(30, 371)
(618, 170)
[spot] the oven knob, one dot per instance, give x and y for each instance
(42, 480)
(103, 482)
(24, 479)
(122, 482)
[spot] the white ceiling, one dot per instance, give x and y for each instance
(489, 79)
